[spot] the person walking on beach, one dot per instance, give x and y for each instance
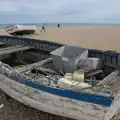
(43, 28)
(58, 25)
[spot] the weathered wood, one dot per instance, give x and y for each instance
(1, 43)
(113, 87)
(11, 47)
(34, 65)
(46, 70)
(52, 103)
(114, 108)
(15, 49)
(106, 80)
(94, 73)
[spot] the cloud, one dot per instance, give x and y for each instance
(101, 11)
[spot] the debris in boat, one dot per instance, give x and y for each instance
(70, 84)
(90, 64)
(1, 106)
(79, 76)
(108, 79)
(34, 65)
(46, 70)
(50, 77)
(92, 73)
(66, 57)
(74, 81)
(68, 76)
(84, 76)
(43, 80)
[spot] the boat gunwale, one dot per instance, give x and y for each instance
(115, 53)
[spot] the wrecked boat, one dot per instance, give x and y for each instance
(64, 80)
(19, 29)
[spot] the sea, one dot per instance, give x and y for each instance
(2, 26)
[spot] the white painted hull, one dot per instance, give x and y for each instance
(20, 28)
(52, 103)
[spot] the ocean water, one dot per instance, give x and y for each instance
(2, 26)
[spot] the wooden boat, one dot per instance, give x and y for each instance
(43, 75)
(20, 29)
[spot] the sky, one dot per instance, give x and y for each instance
(62, 11)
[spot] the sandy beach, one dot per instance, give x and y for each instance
(95, 37)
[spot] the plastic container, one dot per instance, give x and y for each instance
(66, 58)
(90, 64)
(70, 84)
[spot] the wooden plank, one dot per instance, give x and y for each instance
(106, 80)
(1, 43)
(11, 47)
(9, 51)
(52, 103)
(114, 108)
(34, 65)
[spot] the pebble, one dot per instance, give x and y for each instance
(1, 106)
(14, 110)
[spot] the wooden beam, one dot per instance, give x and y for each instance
(10, 50)
(11, 47)
(1, 43)
(34, 65)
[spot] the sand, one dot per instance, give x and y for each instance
(95, 37)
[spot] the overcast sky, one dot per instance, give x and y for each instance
(80, 11)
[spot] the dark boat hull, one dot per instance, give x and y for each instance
(23, 32)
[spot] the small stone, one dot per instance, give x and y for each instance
(1, 106)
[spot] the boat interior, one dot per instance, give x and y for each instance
(66, 67)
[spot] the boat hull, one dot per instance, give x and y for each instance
(21, 29)
(22, 32)
(51, 103)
